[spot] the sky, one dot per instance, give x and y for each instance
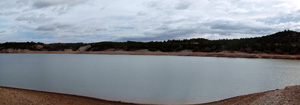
(52, 21)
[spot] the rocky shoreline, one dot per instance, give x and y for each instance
(13, 96)
(290, 95)
(180, 53)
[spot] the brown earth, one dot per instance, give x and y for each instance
(12, 96)
(288, 96)
(180, 53)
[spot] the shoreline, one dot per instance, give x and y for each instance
(15, 96)
(290, 95)
(180, 53)
(18, 96)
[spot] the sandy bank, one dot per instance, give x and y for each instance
(13, 96)
(181, 53)
(288, 96)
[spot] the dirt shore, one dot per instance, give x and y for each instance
(13, 96)
(288, 96)
(180, 53)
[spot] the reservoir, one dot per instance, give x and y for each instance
(147, 79)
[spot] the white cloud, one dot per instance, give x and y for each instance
(143, 20)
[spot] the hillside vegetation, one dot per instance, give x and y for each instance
(284, 42)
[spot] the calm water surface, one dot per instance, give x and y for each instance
(147, 79)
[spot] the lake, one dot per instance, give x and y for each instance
(147, 79)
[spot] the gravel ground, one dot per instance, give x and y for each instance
(12, 96)
(288, 96)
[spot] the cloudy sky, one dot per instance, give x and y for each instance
(52, 21)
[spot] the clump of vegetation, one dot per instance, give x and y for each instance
(19, 45)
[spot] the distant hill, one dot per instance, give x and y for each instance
(284, 42)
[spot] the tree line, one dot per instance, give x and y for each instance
(284, 42)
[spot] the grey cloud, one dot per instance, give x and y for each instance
(61, 26)
(161, 5)
(46, 28)
(277, 20)
(293, 17)
(34, 18)
(4, 4)
(237, 26)
(69, 30)
(140, 14)
(139, 38)
(43, 4)
(99, 29)
(149, 20)
(53, 27)
(225, 28)
(182, 5)
(152, 4)
(171, 33)
(227, 25)
(8, 13)
(122, 17)
(161, 33)
(93, 29)
(49, 3)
